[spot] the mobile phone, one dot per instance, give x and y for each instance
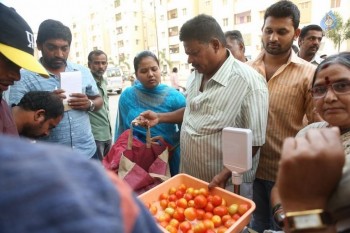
(237, 149)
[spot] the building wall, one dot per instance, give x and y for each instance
(122, 28)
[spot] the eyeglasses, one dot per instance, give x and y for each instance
(339, 88)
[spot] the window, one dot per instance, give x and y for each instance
(304, 5)
(135, 14)
(119, 30)
(243, 17)
(225, 21)
(120, 43)
(118, 16)
(136, 28)
(173, 49)
(77, 54)
(335, 3)
(184, 11)
(172, 14)
(116, 3)
(207, 3)
(174, 31)
(261, 15)
(137, 42)
(162, 17)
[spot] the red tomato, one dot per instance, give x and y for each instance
(175, 223)
(199, 227)
(172, 204)
(209, 207)
(229, 223)
(163, 196)
(210, 198)
(216, 220)
(208, 215)
(185, 226)
(236, 217)
(190, 203)
(179, 214)
(190, 190)
(190, 213)
(210, 231)
(164, 224)
(163, 203)
(182, 187)
(225, 218)
(200, 214)
(221, 229)
(153, 209)
(172, 197)
(204, 192)
(217, 200)
(164, 217)
(195, 192)
(208, 224)
(242, 208)
(171, 229)
(172, 190)
(220, 210)
(182, 202)
(188, 196)
(200, 201)
(179, 194)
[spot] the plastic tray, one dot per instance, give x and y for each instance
(152, 196)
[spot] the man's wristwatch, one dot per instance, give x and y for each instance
(307, 220)
(92, 105)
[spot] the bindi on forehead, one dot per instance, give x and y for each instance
(326, 79)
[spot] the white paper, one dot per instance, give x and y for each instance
(71, 82)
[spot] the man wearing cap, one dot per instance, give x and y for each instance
(16, 52)
(54, 40)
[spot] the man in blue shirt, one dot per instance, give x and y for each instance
(74, 130)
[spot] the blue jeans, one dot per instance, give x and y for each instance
(262, 216)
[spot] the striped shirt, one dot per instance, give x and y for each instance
(236, 96)
(289, 101)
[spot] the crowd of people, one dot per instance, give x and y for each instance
(296, 103)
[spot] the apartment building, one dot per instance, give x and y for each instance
(122, 28)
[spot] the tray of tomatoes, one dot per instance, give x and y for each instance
(183, 204)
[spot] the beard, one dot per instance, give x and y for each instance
(54, 63)
(276, 48)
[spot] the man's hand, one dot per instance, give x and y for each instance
(310, 169)
(146, 119)
(220, 179)
(60, 93)
(79, 101)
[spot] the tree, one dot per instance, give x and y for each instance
(340, 32)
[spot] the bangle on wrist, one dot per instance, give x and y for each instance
(278, 215)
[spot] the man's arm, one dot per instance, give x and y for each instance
(150, 118)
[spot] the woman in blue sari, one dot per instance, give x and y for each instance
(150, 94)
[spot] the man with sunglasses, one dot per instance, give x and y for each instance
(16, 52)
